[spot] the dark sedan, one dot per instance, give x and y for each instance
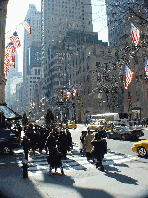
(9, 139)
(124, 133)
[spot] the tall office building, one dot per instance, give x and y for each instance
(32, 44)
(59, 17)
(32, 49)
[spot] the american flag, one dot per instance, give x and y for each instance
(68, 95)
(10, 49)
(135, 34)
(15, 40)
(9, 59)
(128, 77)
(41, 101)
(74, 91)
(27, 26)
(146, 68)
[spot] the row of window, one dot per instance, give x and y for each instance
(66, 2)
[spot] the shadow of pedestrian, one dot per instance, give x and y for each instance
(119, 177)
(68, 182)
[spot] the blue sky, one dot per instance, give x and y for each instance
(16, 15)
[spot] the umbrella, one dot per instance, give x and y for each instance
(9, 113)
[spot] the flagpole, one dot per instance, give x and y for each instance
(14, 28)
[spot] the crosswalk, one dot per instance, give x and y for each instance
(73, 162)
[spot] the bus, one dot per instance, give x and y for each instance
(110, 117)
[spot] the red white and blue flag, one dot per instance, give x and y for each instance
(146, 68)
(135, 34)
(128, 75)
(74, 91)
(15, 40)
(27, 26)
(68, 93)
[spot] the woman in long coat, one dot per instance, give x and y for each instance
(87, 142)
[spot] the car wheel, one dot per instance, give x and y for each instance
(6, 150)
(141, 151)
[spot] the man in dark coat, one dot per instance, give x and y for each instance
(62, 143)
(69, 140)
(100, 148)
(54, 159)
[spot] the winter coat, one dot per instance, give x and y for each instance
(87, 142)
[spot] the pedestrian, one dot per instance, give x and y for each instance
(82, 145)
(50, 142)
(146, 122)
(69, 140)
(99, 150)
(63, 146)
(54, 160)
(87, 141)
(33, 141)
(143, 122)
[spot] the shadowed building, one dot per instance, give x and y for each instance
(3, 13)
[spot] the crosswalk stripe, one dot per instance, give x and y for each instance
(74, 161)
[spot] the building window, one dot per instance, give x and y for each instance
(97, 64)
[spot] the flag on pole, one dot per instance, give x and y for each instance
(27, 26)
(74, 91)
(128, 74)
(68, 95)
(41, 100)
(135, 34)
(146, 69)
(15, 40)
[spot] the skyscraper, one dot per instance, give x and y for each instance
(59, 17)
(32, 49)
(32, 44)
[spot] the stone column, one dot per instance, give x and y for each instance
(3, 13)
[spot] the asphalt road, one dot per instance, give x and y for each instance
(118, 146)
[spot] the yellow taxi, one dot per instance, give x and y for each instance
(141, 147)
(71, 125)
(96, 125)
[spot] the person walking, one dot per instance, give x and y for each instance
(62, 143)
(87, 142)
(143, 122)
(100, 148)
(82, 144)
(69, 140)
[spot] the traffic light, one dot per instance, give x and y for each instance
(61, 94)
(64, 94)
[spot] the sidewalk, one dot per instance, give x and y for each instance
(75, 183)
(12, 184)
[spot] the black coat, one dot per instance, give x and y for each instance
(100, 147)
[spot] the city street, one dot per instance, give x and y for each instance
(124, 174)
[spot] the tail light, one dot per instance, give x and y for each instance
(142, 132)
(130, 133)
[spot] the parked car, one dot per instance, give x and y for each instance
(124, 133)
(9, 139)
(141, 148)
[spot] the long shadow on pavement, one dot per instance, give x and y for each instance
(12, 183)
(119, 177)
(66, 181)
